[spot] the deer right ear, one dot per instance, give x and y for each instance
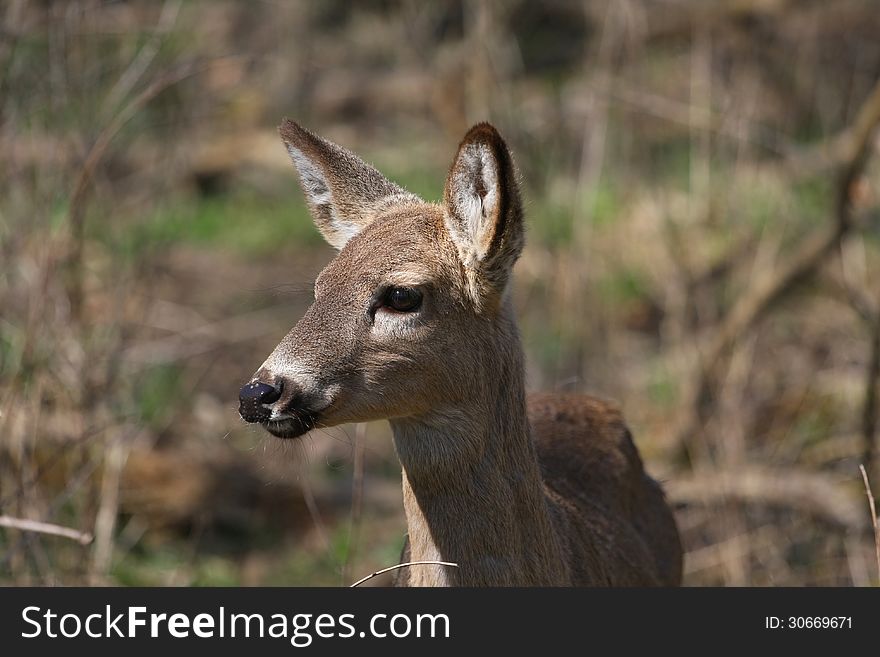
(483, 209)
(343, 191)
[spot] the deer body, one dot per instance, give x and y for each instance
(412, 322)
(589, 516)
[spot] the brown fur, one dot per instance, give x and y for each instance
(549, 493)
(619, 530)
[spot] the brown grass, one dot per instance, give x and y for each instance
(702, 197)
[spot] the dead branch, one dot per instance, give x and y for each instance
(402, 565)
(842, 149)
(805, 492)
(871, 506)
(868, 311)
(870, 407)
(83, 538)
(357, 499)
(774, 285)
(682, 113)
(855, 297)
(77, 206)
(678, 20)
(145, 56)
(108, 509)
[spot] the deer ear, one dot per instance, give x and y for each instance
(483, 208)
(343, 191)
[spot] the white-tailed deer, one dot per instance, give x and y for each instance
(412, 322)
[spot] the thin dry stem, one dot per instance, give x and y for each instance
(77, 206)
(843, 148)
(357, 499)
(22, 524)
(870, 495)
(145, 56)
(108, 508)
(402, 565)
(870, 410)
(768, 288)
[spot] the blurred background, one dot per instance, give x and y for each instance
(703, 247)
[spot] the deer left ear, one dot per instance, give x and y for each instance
(343, 191)
(483, 208)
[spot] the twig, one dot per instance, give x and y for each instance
(870, 495)
(745, 313)
(77, 205)
(755, 301)
(145, 56)
(869, 312)
(108, 508)
(870, 408)
(84, 538)
(357, 499)
(857, 299)
(402, 565)
(844, 147)
(701, 117)
(677, 20)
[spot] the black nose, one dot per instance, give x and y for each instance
(252, 399)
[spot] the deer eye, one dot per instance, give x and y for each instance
(402, 299)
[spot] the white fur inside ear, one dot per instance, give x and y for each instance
(316, 188)
(475, 197)
(313, 181)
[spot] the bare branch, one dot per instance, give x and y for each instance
(77, 205)
(108, 509)
(845, 147)
(870, 495)
(357, 498)
(402, 565)
(146, 55)
(774, 285)
(84, 538)
(870, 409)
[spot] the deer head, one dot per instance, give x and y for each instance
(411, 310)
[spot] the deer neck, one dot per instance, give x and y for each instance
(473, 492)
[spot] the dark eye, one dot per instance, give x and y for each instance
(403, 299)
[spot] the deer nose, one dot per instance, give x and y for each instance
(253, 398)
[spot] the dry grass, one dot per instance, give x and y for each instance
(702, 188)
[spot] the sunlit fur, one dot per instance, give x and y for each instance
(549, 491)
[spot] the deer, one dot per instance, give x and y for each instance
(413, 322)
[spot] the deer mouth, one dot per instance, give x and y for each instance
(292, 426)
